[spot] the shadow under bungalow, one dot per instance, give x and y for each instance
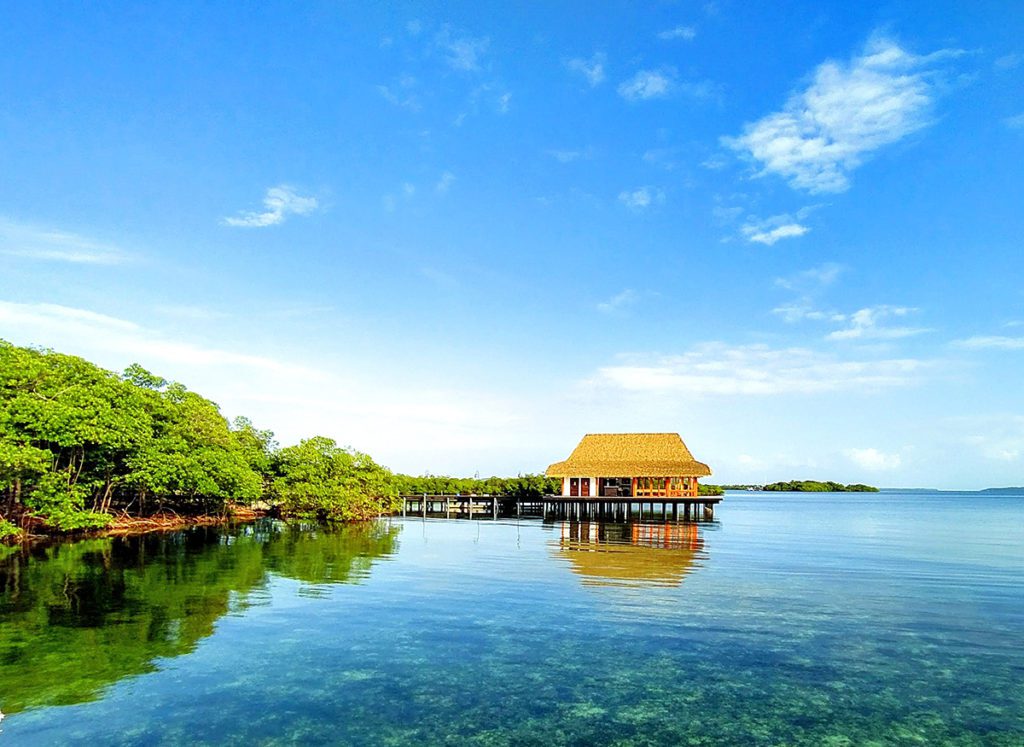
(626, 476)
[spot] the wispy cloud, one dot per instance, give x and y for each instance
(401, 93)
(1015, 122)
(74, 328)
(768, 236)
(663, 158)
(999, 437)
(591, 69)
(868, 324)
(565, 156)
(641, 198)
(619, 301)
(804, 310)
(687, 33)
(725, 215)
(461, 51)
(1009, 61)
(721, 369)
(848, 111)
(813, 279)
(444, 183)
(992, 342)
(51, 245)
(440, 278)
(874, 460)
(648, 84)
(279, 202)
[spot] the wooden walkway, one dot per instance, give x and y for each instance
(690, 508)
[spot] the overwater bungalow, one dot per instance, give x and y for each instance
(610, 472)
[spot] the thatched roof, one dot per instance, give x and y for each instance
(630, 455)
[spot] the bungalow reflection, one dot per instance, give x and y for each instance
(615, 554)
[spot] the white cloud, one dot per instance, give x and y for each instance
(866, 324)
(69, 328)
(761, 235)
(803, 310)
(393, 420)
(619, 301)
(444, 183)
(440, 278)
(714, 163)
(503, 102)
(998, 342)
(663, 158)
(812, 279)
(1009, 61)
(848, 111)
(725, 215)
(1016, 122)
(565, 156)
(33, 242)
(720, 369)
(648, 84)
(998, 438)
(687, 33)
(414, 27)
(401, 94)
(279, 202)
(874, 460)
(641, 198)
(461, 52)
(592, 70)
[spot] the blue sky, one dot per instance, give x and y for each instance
(459, 236)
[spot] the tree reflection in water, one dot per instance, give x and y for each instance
(76, 617)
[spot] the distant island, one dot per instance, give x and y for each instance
(803, 486)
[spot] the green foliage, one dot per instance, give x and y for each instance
(814, 486)
(318, 480)
(77, 441)
(8, 530)
(525, 487)
(703, 489)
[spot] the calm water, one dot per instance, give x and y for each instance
(794, 619)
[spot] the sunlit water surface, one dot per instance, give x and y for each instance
(793, 619)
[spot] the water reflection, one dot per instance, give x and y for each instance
(634, 554)
(78, 616)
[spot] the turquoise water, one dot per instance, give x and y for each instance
(792, 619)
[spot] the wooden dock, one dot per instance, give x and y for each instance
(661, 508)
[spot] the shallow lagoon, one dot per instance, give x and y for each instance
(792, 619)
